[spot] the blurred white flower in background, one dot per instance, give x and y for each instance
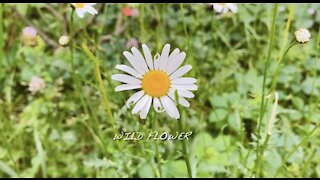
(281, 9)
(64, 40)
(302, 35)
(224, 7)
(311, 11)
(36, 84)
(133, 42)
(135, 12)
(82, 8)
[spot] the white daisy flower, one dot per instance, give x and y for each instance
(157, 80)
(82, 8)
(302, 35)
(224, 7)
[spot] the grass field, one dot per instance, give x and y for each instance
(249, 107)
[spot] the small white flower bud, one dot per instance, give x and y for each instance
(302, 35)
(64, 40)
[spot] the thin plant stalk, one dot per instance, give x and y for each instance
(141, 20)
(192, 62)
(275, 12)
(73, 65)
(157, 29)
(7, 145)
(260, 158)
(283, 52)
(304, 140)
(1, 33)
(154, 126)
(314, 72)
(184, 142)
(101, 86)
(76, 81)
(282, 58)
(279, 67)
(286, 31)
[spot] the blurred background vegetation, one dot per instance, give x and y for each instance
(49, 133)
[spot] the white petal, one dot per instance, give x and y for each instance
(127, 87)
(225, 9)
(184, 80)
(145, 110)
(125, 79)
(171, 58)
(170, 107)
(233, 7)
(147, 55)
(176, 63)
(140, 59)
(182, 100)
(182, 93)
(181, 71)
(80, 13)
(156, 61)
(132, 60)
(140, 104)
(90, 4)
(91, 10)
(191, 87)
(157, 105)
(218, 8)
(164, 56)
(129, 70)
(134, 98)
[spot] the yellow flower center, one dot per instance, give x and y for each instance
(222, 4)
(156, 83)
(79, 5)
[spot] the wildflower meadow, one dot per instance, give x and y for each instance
(136, 90)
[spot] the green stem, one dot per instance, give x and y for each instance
(101, 86)
(314, 73)
(309, 160)
(283, 53)
(5, 139)
(275, 12)
(1, 34)
(184, 142)
(77, 85)
(158, 28)
(279, 67)
(154, 126)
(192, 62)
(296, 148)
(141, 20)
(264, 146)
(286, 31)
